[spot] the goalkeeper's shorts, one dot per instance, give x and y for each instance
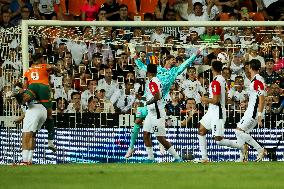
(141, 112)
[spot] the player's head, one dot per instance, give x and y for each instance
(151, 70)
(254, 65)
(38, 58)
(170, 61)
(217, 66)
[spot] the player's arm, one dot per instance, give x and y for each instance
(140, 64)
(189, 61)
(216, 89)
(258, 86)
(155, 92)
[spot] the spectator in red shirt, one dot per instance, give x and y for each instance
(90, 11)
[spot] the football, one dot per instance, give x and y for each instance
(223, 57)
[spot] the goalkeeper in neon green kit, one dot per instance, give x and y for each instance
(167, 75)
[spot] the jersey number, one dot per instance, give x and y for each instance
(34, 76)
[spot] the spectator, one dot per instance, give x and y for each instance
(6, 18)
(123, 14)
(94, 105)
(148, 17)
(237, 93)
(91, 91)
(236, 65)
(228, 6)
(112, 9)
(124, 98)
(197, 14)
(253, 53)
(175, 106)
(16, 8)
(268, 74)
(210, 35)
(101, 15)
(276, 54)
(61, 105)
(25, 15)
(66, 90)
(192, 87)
(68, 63)
(273, 97)
(161, 9)
(192, 114)
(75, 105)
(90, 10)
(45, 9)
(247, 37)
(226, 73)
(106, 106)
(158, 36)
(108, 84)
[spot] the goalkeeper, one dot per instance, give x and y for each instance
(167, 75)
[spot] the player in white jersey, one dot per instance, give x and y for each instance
(255, 111)
(35, 115)
(215, 117)
(155, 120)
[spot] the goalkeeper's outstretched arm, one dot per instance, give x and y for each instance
(189, 61)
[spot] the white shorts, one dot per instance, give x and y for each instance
(211, 122)
(247, 124)
(154, 125)
(35, 117)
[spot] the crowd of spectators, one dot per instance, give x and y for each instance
(98, 71)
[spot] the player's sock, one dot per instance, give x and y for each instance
(229, 143)
(50, 143)
(150, 153)
(30, 156)
(134, 135)
(249, 140)
(203, 147)
(173, 152)
(50, 128)
(25, 155)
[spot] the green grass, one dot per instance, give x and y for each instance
(268, 175)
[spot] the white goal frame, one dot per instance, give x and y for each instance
(26, 23)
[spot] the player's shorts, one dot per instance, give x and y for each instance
(141, 112)
(154, 125)
(247, 124)
(211, 122)
(35, 117)
(40, 92)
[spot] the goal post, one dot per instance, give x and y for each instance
(26, 23)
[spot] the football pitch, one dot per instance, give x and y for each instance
(231, 175)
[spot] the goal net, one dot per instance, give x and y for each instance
(95, 91)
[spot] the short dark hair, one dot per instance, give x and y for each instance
(227, 68)
(92, 98)
(152, 68)
(255, 64)
(75, 93)
(269, 60)
(197, 4)
(217, 66)
(149, 16)
(123, 6)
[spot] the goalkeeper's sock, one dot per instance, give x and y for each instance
(50, 128)
(150, 153)
(173, 152)
(30, 156)
(25, 155)
(203, 147)
(134, 135)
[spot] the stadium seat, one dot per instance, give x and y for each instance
(257, 16)
(148, 6)
(224, 16)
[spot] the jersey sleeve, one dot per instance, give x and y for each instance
(258, 86)
(216, 87)
(140, 65)
(154, 88)
(185, 64)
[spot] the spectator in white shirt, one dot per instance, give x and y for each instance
(105, 105)
(75, 105)
(158, 36)
(91, 91)
(66, 90)
(108, 83)
(46, 9)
